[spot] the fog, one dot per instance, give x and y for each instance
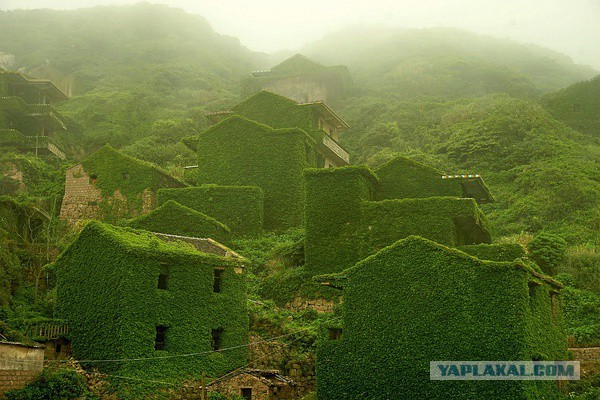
(569, 26)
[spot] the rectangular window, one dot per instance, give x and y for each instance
(218, 275)
(163, 277)
(335, 333)
(217, 336)
(554, 305)
(159, 341)
(246, 393)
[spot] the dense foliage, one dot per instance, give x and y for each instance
(52, 385)
(112, 274)
(238, 151)
(174, 219)
(241, 208)
(447, 297)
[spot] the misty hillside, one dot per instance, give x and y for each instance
(578, 106)
(143, 76)
(449, 63)
(138, 74)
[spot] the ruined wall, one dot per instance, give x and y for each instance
(83, 200)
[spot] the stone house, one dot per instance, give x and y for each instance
(417, 301)
(255, 384)
(301, 79)
(352, 212)
(129, 294)
(27, 119)
(110, 185)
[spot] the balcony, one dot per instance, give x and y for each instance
(333, 152)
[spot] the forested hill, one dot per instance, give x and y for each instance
(578, 106)
(140, 75)
(445, 62)
(108, 42)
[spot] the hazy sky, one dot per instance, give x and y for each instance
(569, 26)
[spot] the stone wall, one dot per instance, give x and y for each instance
(300, 88)
(319, 305)
(19, 365)
(82, 200)
(589, 358)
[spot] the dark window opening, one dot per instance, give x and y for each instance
(163, 280)
(246, 393)
(93, 178)
(159, 341)
(58, 347)
(217, 336)
(554, 305)
(126, 175)
(163, 276)
(218, 275)
(335, 333)
(532, 286)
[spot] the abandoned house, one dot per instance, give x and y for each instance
(127, 294)
(301, 79)
(352, 212)
(27, 119)
(109, 185)
(255, 384)
(266, 142)
(417, 301)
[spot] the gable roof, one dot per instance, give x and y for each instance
(422, 246)
(111, 165)
(246, 126)
(298, 63)
(176, 219)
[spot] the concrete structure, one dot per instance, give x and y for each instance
(19, 365)
(301, 79)
(27, 119)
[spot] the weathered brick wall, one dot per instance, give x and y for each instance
(19, 365)
(11, 380)
(319, 305)
(231, 387)
(589, 358)
(82, 198)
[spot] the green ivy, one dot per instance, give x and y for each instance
(238, 207)
(174, 219)
(130, 176)
(417, 301)
(107, 290)
(494, 252)
(241, 152)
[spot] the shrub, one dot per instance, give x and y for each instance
(548, 251)
(52, 385)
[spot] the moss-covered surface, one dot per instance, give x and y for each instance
(494, 252)
(238, 207)
(333, 205)
(417, 301)
(241, 152)
(402, 177)
(107, 290)
(447, 220)
(131, 177)
(174, 219)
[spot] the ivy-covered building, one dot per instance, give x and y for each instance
(126, 294)
(352, 212)
(301, 79)
(266, 142)
(27, 119)
(109, 185)
(417, 301)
